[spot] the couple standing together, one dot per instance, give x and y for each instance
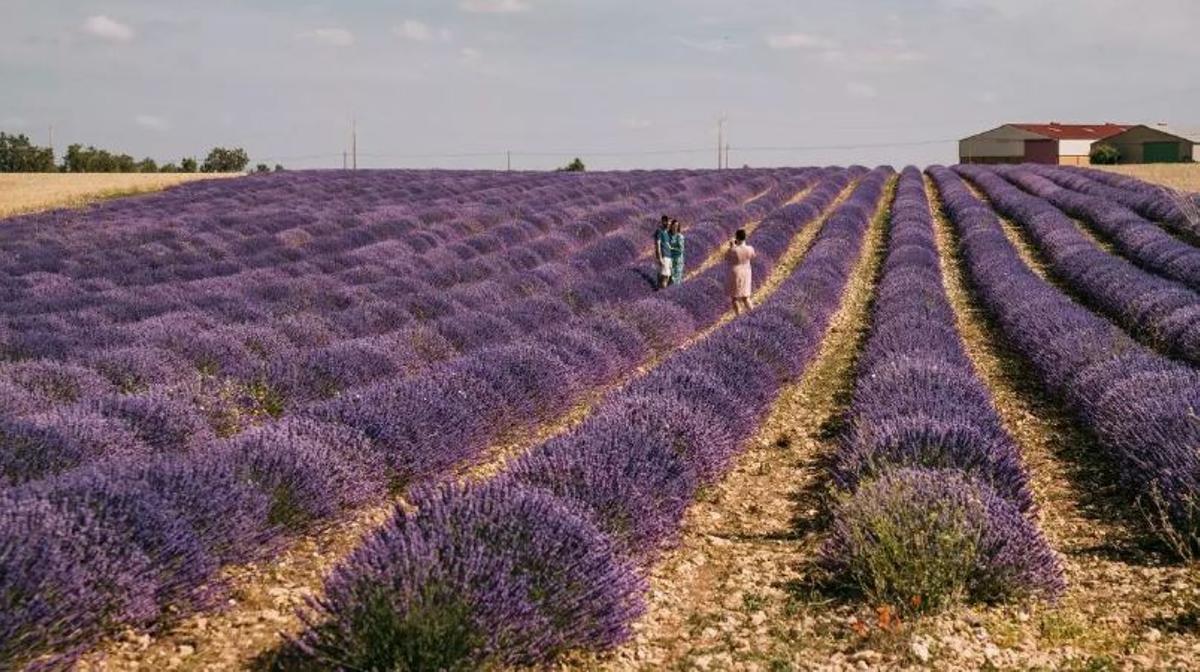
(668, 251)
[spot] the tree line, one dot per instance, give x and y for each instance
(19, 155)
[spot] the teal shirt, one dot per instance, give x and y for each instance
(662, 238)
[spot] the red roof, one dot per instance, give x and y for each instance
(1074, 131)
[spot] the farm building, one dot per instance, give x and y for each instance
(1155, 144)
(1068, 144)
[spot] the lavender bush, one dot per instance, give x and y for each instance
(925, 538)
(491, 575)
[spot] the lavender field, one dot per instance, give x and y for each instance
(960, 427)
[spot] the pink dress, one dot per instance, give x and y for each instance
(738, 259)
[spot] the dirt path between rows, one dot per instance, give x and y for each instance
(723, 597)
(264, 597)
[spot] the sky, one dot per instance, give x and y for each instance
(620, 83)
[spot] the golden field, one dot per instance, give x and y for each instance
(29, 192)
(1182, 176)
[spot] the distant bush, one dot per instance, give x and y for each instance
(262, 168)
(575, 166)
(225, 160)
(188, 164)
(1105, 155)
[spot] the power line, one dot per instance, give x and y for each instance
(508, 154)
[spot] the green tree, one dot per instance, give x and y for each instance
(224, 160)
(147, 165)
(279, 167)
(188, 164)
(262, 168)
(1105, 155)
(575, 166)
(80, 159)
(168, 168)
(19, 155)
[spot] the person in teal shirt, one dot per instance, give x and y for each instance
(662, 243)
(675, 249)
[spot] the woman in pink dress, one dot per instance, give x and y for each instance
(738, 260)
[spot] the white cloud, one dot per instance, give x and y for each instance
(151, 122)
(636, 123)
(328, 37)
(861, 90)
(414, 30)
(419, 31)
(873, 58)
(800, 41)
(494, 6)
(470, 53)
(111, 30)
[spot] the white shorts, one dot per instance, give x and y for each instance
(664, 266)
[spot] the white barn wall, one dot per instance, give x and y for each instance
(1074, 147)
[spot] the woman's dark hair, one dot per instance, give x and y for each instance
(665, 219)
(740, 236)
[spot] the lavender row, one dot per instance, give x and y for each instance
(935, 500)
(1179, 212)
(1163, 313)
(93, 421)
(549, 557)
(126, 541)
(1140, 405)
(1144, 243)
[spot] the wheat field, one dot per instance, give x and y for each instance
(22, 193)
(1182, 176)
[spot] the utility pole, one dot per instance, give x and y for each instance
(726, 153)
(720, 138)
(354, 142)
(508, 160)
(343, 159)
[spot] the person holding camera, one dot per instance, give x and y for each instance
(739, 282)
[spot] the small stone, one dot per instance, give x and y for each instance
(1153, 635)
(920, 649)
(758, 618)
(866, 656)
(1022, 617)
(186, 650)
